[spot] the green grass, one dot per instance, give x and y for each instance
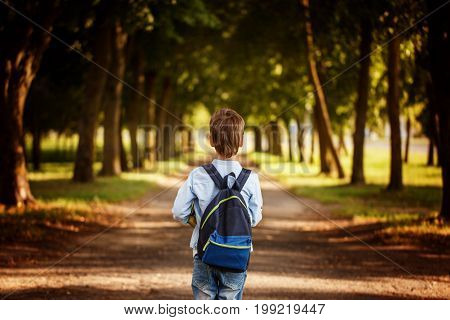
(420, 198)
(65, 206)
(54, 185)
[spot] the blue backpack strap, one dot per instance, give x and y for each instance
(214, 174)
(242, 178)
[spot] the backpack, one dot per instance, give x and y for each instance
(225, 236)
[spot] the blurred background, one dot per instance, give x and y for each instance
(346, 103)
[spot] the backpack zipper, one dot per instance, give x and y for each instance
(217, 206)
(224, 245)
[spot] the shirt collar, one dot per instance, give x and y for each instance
(225, 163)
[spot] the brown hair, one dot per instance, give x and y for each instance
(227, 130)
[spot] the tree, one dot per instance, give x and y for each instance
(439, 50)
(408, 139)
(300, 140)
(165, 130)
(93, 94)
(393, 108)
(111, 144)
(23, 46)
(58, 83)
(361, 103)
(274, 138)
(150, 114)
(134, 110)
(320, 107)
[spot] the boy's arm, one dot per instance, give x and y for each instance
(183, 202)
(255, 202)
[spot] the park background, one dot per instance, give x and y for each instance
(105, 108)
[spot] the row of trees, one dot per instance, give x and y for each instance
(121, 64)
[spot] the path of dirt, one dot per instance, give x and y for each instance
(298, 255)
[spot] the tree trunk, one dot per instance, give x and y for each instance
(164, 127)
(94, 88)
(342, 146)
(325, 166)
(170, 145)
(408, 137)
(18, 67)
(191, 146)
(258, 138)
(133, 129)
(439, 49)
(320, 106)
(393, 108)
(123, 152)
(361, 104)
(291, 156)
(430, 157)
(274, 138)
(300, 138)
(137, 103)
(150, 115)
(433, 121)
(111, 148)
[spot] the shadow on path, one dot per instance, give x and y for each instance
(298, 255)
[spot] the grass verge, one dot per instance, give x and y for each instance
(406, 214)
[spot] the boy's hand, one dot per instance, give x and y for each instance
(192, 221)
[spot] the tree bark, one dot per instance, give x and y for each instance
(171, 128)
(300, 138)
(274, 138)
(393, 108)
(164, 127)
(433, 121)
(439, 49)
(93, 96)
(133, 129)
(18, 67)
(258, 138)
(137, 103)
(290, 141)
(111, 148)
(342, 146)
(320, 106)
(408, 137)
(123, 152)
(325, 166)
(191, 146)
(150, 115)
(361, 104)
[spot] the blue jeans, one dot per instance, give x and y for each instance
(209, 283)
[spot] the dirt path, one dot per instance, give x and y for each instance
(298, 255)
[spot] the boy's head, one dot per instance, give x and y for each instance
(226, 129)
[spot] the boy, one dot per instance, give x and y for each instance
(226, 136)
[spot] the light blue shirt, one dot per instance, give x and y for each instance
(200, 189)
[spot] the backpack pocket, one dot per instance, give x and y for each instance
(231, 252)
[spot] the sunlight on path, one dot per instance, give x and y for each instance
(298, 255)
